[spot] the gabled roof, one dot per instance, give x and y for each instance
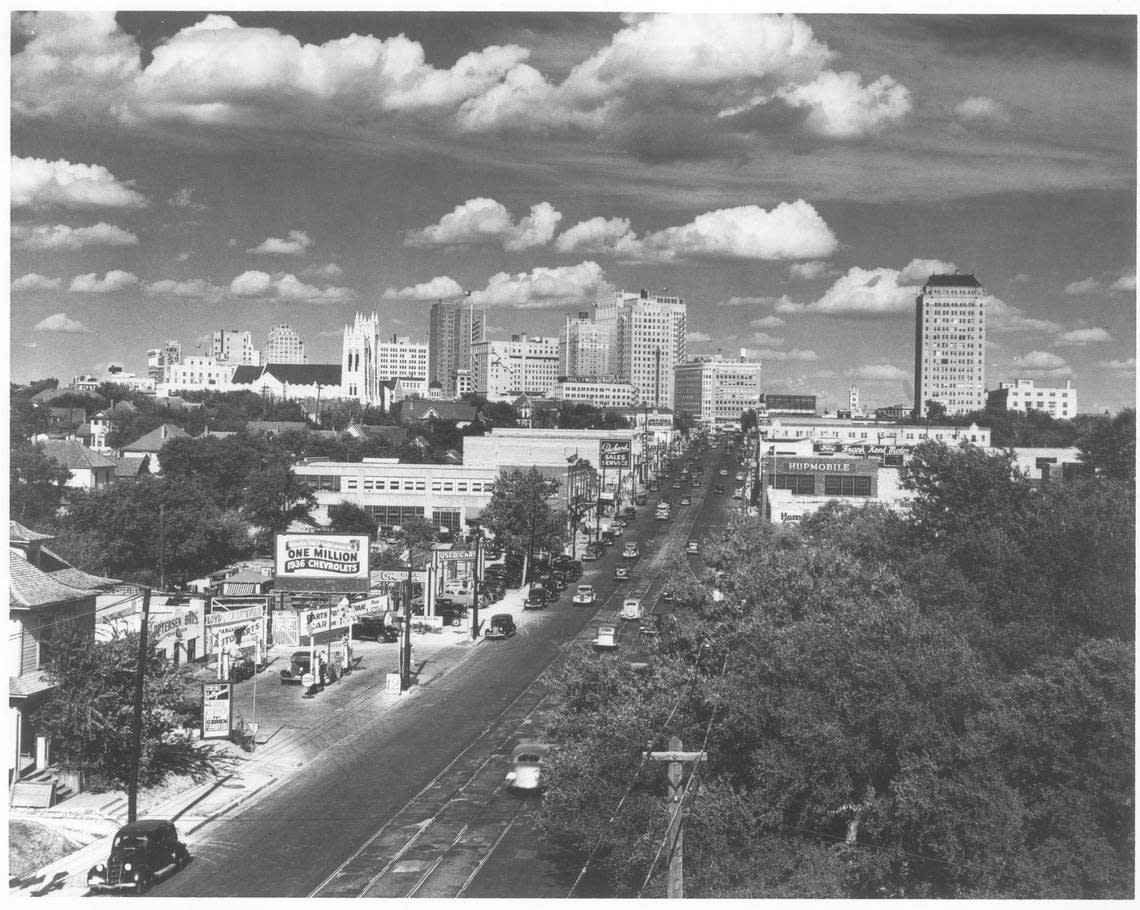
(953, 281)
(396, 435)
(423, 409)
(75, 456)
(77, 578)
(274, 426)
(29, 587)
(156, 438)
(28, 684)
(327, 374)
(18, 533)
(132, 465)
(246, 375)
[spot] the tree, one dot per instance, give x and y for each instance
(347, 517)
(275, 498)
(89, 715)
(521, 517)
(935, 411)
(222, 464)
(36, 483)
(1109, 445)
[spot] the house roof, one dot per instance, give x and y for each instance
(131, 465)
(156, 438)
(75, 456)
(421, 409)
(953, 281)
(305, 373)
(19, 533)
(246, 375)
(29, 587)
(274, 426)
(77, 578)
(28, 684)
(392, 434)
(247, 576)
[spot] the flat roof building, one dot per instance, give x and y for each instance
(716, 391)
(1025, 395)
(950, 344)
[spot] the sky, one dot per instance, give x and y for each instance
(794, 177)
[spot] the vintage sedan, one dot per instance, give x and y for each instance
(502, 625)
(585, 596)
(605, 639)
(141, 853)
(527, 762)
(622, 573)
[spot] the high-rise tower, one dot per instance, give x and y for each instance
(646, 341)
(950, 344)
(284, 345)
(452, 330)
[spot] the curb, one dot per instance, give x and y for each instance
(242, 798)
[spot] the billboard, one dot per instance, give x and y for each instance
(616, 453)
(217, 710)
(334, 563)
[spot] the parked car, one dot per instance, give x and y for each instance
(375, 626)
(449, 611)
(686, 500)
(676, 484)
(739, 477)
(738, 493)
(718, 490)
(723, 472)
(141, 853)
(641, 499)
(605, 639)
(537, 598)
(584, 596)
(527, 762)
(631, 551)
(300, 663)
(621, 573)
(591, 554)
(501, 625)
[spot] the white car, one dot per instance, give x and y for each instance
(631, 608)
(724, 472)
(605, 639)
(584, 596)
(526, 766)
(630, 551)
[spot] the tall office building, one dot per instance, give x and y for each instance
(157, 359)
(523, 365)
(950, 344)
(646, 337)
(284, 345)
(453, 329)
(717, 391)
(232, 346)
(583, 347)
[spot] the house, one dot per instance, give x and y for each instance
(89, 470)
(393, 436)
(152, 442)
(418, 410)
(43, 596)
(131, 466)
(63, 422)
(536, 412)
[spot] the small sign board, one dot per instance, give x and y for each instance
(393, 684)
(451, 555)
(616, 453)
(217, 710)
(307, 680)
(396, 575)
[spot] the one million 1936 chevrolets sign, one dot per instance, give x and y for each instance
(336, 563)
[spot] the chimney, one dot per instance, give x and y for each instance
(644, 294)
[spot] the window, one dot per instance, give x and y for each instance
(847, 486)
(799, 484)
(446, 518)
(324, 482)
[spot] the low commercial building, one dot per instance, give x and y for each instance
(830, 431)
(600, 391)
(794, 486)
(1024, 395)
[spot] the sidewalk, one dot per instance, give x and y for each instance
(293, 731)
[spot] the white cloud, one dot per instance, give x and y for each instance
(440, 288)
(698, 336)
(753, 302)
(767, 322)
(860, 292)
(328, 272)
(1129, 364)
(840, 107)
(918, 271)
(980, 108)
(608, 236)
(114, 281)
(1083, 336)
(252, 284)
(575, 285)
(878, 372)
(184, 199)
(33, 281)
(1006, 317)
(61, 323)
(284, 286)
(183, 256)
(1124, 284)
(62, 237)
(482, 220)
(194, 289)
(1086, 286)
(763, 339)
(1043, 362)
(38, 183)
(295, 244)
(806, 271)
(1019, 278)
(768, 354)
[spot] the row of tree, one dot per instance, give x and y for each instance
(933, 704)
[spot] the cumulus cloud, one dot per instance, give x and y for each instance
(763, 339)
(295, 244)
(1085, 286)
(839, 106)
(544, 288)
(1043, 362)
(1124, 284)
(1129, 364)
(59, 322)
(698, 336)
(441, 288)
(806, 271)
(878, 372)
(328, 272)
(481, 220)
(918, 271)
(981, 109)
(607, 236)
(194, 289)
(769, 354)
(37, 183)
(33, 281)
(1083, 336)
(285, 286)
(114, 281)
(62, 237)
(184, 199)
(1019, 278)
(1006, 317)
(184, 256)
(767, 322)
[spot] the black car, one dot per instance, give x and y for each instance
(501, 625)
(537, 598)
(451, 612)
(141, 852)
(374, 627)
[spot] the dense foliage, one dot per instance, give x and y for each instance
(521, 515)
(936, 704)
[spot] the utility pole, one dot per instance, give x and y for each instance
(136, 733)
(162, 547)
(477, 581)
(406, 644)
(675, 843)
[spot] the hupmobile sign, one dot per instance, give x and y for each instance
(616, 453)
(843, 467)
(322, 562)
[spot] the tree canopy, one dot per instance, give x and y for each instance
(520, 513)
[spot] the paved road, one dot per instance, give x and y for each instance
(413, 802)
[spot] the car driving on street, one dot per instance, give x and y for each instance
(692, 548)
(584, 596)
(141, 852)
(621, 573)
(502, 625)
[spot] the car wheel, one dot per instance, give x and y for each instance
(143, 883)
(182, 858)
(455, 620)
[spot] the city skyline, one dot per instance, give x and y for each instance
(794, 178)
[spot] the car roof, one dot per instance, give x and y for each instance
(499, 617)
(146, 826)
(537, 748)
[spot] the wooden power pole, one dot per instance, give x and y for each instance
(136, 729)
(675, 843)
